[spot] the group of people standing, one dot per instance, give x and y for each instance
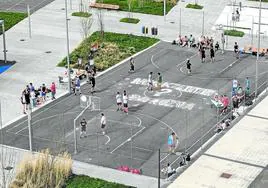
(122, 99)
(31, 97)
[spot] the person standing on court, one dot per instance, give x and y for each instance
(172, 142)
(77, 85)
(131, 61)
(125, 102)
(188, 66)
(212, 54)
(83, 128)
(236, 51)
(103, 123)
(203, 54)
(118, 101)
(53, 90)
(159, 81)
(93, 83)
(150, 81)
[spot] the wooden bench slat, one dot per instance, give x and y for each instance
(105, 6)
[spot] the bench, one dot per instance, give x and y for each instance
(104, 6)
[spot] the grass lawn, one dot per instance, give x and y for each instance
(194, 6)
(81, 14)
(149, 7)
(113, 48)
(88, 182)
(234, 33)
(11, 19)
(130, 20)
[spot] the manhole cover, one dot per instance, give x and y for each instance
(172, 22)
(22, 39)
(226, 175)
(48, 52)
(63, 9)
(8, 168)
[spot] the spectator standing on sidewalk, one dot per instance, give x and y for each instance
(236, 50)
(31, 87)
(53, 90)
(43, 92)
(212, 54)
(23, 101)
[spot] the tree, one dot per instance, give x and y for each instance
(101, 23)
(86, 24)
(129, 2)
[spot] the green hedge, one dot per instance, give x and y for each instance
(88, 182)
(114, 48)
(130, 20)
(81, 14)
(234, 33)
(149, 7)
(11, 19)
(194, 6)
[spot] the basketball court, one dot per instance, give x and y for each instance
(182, 106)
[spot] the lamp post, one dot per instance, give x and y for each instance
(258, 53)
(68, 47)
(2, 22)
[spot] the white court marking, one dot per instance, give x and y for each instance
(171, 103)
(129, 139)
(178, 87)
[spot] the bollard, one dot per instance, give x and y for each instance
(146, 30)
(152, 30)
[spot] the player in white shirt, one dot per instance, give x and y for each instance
(150, 81)
(103, 123)
(118, 101)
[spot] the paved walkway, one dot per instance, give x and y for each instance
(242, 153)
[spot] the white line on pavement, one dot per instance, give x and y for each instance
(128, 140)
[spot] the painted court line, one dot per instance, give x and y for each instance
(128, 140)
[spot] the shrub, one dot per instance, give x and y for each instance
(43, 170)
(113, 48)
(194, 6)
(81, 14)
(234, 33)
(130, 20)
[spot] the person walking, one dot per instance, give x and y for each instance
(132, 68)
(172, 142)
(118, 101)
(212, 54)
(188, 66)
(53, 90)
(77, 85)
(83, 128)
(103, 123)
(150, 81)
(125, 102)
(159, 81)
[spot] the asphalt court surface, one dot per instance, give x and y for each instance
(182, 105)
(21, 5)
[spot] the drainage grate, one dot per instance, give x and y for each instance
(48, 52)
(8, 168)
(172, 22)
(226, 175)
(22, 39)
